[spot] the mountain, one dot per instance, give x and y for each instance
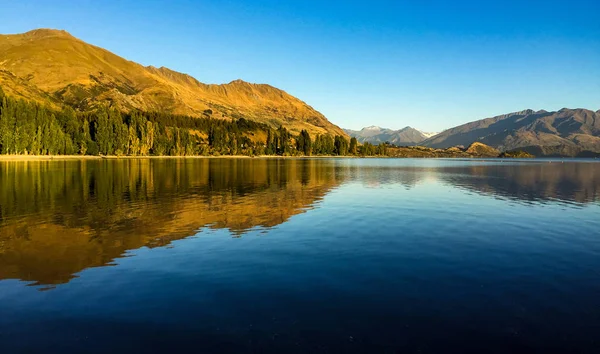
(53, 67)
(377, 135)
(567, 132)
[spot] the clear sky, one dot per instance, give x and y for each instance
(430, 64)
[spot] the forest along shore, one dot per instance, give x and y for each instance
(393, 152)
(29, 130)
(91, 157)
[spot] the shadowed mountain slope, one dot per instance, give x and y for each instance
(568, 132)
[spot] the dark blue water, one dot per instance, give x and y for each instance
(311, 256)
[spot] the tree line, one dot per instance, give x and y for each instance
(35, 129)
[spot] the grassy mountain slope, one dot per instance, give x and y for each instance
(568, 132)
(53, 67)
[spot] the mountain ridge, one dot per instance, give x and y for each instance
(54, 67)
(566, 132)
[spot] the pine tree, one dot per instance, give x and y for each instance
(104, 135)
(353, 146)
(340, 145)
(303, 143)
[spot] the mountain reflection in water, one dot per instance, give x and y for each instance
(58, 218)
(537, 181)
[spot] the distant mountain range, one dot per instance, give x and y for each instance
(57, 69)
(567, 132)
(377, 135)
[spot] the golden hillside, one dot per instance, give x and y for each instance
(54, 67)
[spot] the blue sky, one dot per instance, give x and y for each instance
(429, 64)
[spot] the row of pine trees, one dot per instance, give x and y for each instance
(33, 129)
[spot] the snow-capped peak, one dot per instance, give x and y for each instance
(428, 135)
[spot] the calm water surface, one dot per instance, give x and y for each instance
(308, 255)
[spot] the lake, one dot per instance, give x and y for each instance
(300, 255)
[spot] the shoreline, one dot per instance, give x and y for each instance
(17, 158)
(92, 157)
